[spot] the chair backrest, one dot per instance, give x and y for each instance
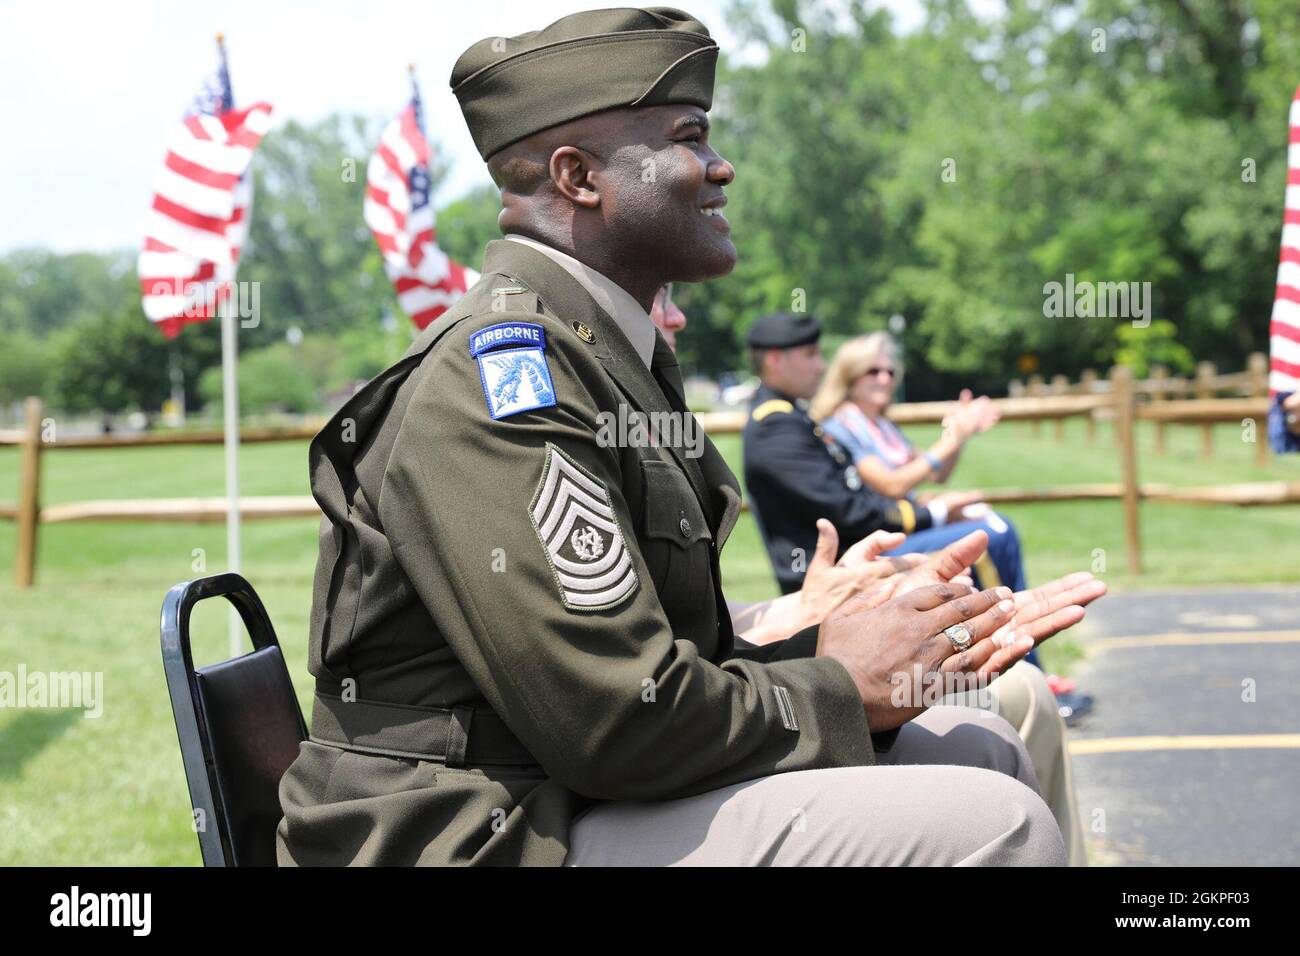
(238, 722)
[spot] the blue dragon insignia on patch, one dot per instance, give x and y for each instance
(514, 379)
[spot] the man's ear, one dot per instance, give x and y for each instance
(571, 171)
(773, 362)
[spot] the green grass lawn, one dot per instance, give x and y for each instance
(111, 790)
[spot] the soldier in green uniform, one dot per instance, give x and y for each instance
(521, 648)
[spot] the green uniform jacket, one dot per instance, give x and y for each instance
(515, 617)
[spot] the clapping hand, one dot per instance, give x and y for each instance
(829, 583)
(877, 641)
(972, 415)
(1039, 612)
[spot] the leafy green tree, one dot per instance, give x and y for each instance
(367, 348)
(947, 175)
(114, 364)
(943, 176)
(314, 260)
(121, 362)
(271, 379)
(1158, 344)
(24, 367)
(43, 291)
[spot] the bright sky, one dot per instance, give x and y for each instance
(90, 90)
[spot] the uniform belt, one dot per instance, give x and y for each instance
(456, 737)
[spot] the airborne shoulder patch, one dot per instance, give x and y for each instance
(580, 534)
(505, 334)
(514, 379)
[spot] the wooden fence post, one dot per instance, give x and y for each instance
(1087, 379)
(1205, 371)
(1160, 376)
(1125, 410)
(1257, 366)
(1035, 388)
(29, 495)
(1016, 389)
(1060, 386)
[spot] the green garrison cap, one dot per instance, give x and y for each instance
(512, 87)
(783, 331)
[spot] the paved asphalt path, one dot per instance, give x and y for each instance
(1177, 764)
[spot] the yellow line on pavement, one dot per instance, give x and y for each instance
(1108, 745)
(1193, 638)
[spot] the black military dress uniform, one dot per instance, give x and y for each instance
(795, 474)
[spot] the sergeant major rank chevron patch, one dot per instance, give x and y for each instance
(580, 534)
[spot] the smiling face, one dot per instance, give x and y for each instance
(873, 390)
(662, 193)
(635, 193)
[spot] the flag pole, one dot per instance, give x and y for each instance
(415, 94)
(230, 409)
(230, 401)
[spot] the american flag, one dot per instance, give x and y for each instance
(399, 214)
(1284, 332)
(198, 221)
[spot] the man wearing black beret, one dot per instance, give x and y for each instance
(793, 476)
(520, 642)
(798, 478)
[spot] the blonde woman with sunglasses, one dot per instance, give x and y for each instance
(852, 406)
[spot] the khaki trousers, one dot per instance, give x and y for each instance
(957, 788)
(1021, 696)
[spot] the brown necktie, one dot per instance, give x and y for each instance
(664, 368)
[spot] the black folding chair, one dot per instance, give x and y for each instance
(238, 722)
